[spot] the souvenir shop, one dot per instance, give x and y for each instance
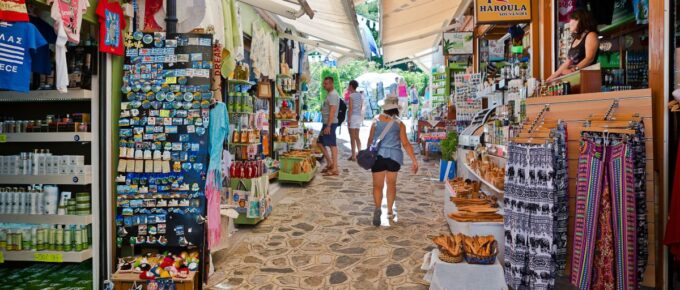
(207, 119)
(558, 183)
(55, 59)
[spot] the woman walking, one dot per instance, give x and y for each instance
(356, 118)
(390, 156)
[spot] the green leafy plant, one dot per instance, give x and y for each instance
(449, 146)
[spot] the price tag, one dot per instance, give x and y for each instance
(46, 257)
(2, 257)
(3, 138)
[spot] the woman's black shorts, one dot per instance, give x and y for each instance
(382, 164)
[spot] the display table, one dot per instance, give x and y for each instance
(126, 281)
(463, 276)
(474, 228)
(430, 142)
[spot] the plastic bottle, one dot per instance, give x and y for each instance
(85, 237)
(51, 239)
(40, 238)
(78, 239)
(68, 239)
(59, 238)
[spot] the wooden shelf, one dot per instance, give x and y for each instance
(482, 180)
(46, 219)
(46, 95)
(72, 179)
(47, 137)
(72, 257)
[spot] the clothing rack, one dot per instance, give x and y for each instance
(622, 110)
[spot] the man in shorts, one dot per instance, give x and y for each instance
(327, 138)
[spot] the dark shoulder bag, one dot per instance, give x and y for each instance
(366, 158)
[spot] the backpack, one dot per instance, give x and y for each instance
(342, 111)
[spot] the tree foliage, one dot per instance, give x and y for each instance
(349, 71)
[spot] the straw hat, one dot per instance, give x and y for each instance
(390, 102)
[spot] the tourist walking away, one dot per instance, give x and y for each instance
(413, 103)
(393, 87)
(327, 138)
(402, 92)
(356, 118)
(390, 156)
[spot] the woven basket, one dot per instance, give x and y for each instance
(448, 258)
(471, 258)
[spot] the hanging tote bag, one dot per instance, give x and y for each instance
(254, 200)
(240, 194)
(366, 158)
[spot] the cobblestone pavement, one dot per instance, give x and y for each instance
(320, 237)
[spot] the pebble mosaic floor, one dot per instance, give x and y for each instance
(320, 236)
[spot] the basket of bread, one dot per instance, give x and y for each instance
(450, 247)
(480, 249)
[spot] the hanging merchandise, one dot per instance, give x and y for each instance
(164, 129)
(151, 7)
(111, 31)
(218, 134)
(611, 206)
(466, 100)
(18, 40)
(536, 212)
(67, 16)
(69, 13)
(233, 37)
(263, 53)
(641, 10)
(605, 204)
(565, 8)
(13, 10)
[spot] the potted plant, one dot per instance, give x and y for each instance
(447, 165)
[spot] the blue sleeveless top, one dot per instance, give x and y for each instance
(390, 147)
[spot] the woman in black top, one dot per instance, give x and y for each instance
(584, 48)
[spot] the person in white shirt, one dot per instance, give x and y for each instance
(356, 118)
(327, 138)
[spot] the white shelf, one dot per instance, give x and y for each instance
(72, 257)
(488, 184)
(46, 219)
(46, 179)
(46, 95)
(50, 137)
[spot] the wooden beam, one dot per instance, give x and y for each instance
(657, 40)
(547, 45)
(535, 40)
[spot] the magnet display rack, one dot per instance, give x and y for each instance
(183, 216)
(36, 105)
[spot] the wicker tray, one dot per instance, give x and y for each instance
(444, 257)
(471, 258)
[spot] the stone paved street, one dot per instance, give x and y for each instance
(320, 236)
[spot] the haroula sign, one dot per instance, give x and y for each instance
(495, 11)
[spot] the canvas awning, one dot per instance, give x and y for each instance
(412, 28)
(334, 24)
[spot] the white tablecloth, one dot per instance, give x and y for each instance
(462, 276)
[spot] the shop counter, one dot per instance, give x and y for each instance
(126, 281)
(462, 276)
(587, 80)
